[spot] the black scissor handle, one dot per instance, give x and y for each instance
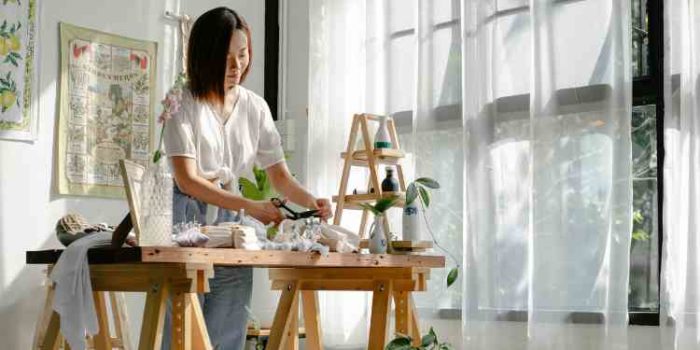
(293, 215)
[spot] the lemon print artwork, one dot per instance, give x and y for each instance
(9, 98)
(13, 42)
(10, 43)
(8, 92)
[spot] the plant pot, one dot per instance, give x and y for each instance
(411, 223)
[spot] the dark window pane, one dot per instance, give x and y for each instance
(640, 38)
(644, 253)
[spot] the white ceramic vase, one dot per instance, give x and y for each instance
(411, 222)
(377, 236)
(381, 138)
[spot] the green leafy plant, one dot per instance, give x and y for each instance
(420, 189)
(639, 233)
(381, 205)
(259, 190)
(378, 209)
(428, 342)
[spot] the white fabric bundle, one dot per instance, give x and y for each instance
(219, 237)
(191, 237)
(242, 237)
(339, 239)
(73, 292)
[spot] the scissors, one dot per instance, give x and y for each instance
(293, 215)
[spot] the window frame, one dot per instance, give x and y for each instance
(650, 90)
(272, 54)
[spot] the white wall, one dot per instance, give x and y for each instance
(294, 74)
(29, 207)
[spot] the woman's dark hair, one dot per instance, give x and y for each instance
(207, 51)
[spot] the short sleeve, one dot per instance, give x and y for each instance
(178, 136)
(269, 143)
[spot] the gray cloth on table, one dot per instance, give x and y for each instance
(73, 291)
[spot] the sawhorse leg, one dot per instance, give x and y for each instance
(312, 320)
(284, 316)
(381, 300)
(153, 318)
(406, 320)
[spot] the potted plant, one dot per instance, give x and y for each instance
(419, 191)
(258, 191)
(428, 342)
(416, 190)
(378, 238)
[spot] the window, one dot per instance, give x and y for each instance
(647, 152)
(647, 66)
(647, 120)
(439, 141)
(272, 45)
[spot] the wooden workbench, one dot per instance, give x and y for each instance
(180, 273)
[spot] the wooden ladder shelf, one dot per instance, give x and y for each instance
(369, 159)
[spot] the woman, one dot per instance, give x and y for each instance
(220, 131)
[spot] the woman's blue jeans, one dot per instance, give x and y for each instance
(225, 306)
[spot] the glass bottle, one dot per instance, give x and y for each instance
(390, 184)
(156, 206)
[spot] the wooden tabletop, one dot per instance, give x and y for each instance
(240, 257)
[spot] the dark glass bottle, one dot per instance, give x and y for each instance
(390, 184)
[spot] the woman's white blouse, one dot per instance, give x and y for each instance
(224, 150)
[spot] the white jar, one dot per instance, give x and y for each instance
(381, 138)
(377, 236)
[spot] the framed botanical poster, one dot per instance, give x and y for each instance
(18, 78)
(107, 101)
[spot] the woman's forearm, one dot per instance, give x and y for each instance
(286, 185)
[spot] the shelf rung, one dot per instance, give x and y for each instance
(382, 155)
(352, 201)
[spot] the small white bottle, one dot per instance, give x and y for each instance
(411, 222)
(377, 237)
(381, 138)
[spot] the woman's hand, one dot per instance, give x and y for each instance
(324, 208)
(265, 212)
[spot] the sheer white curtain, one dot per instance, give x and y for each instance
(399, 58)
(547, 106)
(337, 69)
(680, 292)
